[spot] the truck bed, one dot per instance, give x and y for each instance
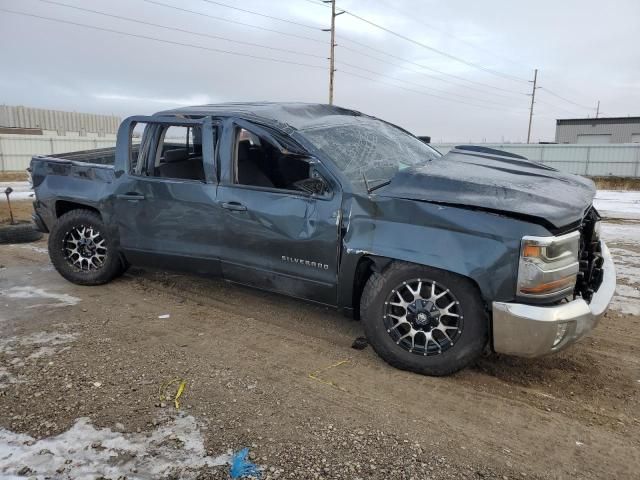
(98, 156)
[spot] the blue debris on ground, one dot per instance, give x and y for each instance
(241, 467)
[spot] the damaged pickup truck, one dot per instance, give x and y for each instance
(441, 257)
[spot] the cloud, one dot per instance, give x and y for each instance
(582, 51)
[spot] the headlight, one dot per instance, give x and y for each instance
(548, 265)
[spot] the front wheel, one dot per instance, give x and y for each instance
(424, 319)
(81, 250)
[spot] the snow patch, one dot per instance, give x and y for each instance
(21, 191)
(63, 299)
(618, 204)
(621, 232)
(43, 341)
(39, 338)
(86, 452)
(626, 300)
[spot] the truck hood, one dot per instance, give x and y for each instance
(493, 180)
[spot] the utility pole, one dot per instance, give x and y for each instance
(332, 57)
(533, 99)
(598, 109)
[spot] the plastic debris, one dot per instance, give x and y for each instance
(166, 315)
(181, 388)
(242, 467)
(162, 391)
(360, 343)
(316, 375)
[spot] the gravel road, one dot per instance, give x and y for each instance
(82, 370)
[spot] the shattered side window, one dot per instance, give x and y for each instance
(369, 148)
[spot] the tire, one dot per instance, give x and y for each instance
(464, 323)
(93, 264)
(21, 232)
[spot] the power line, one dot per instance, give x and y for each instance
(555, 106)
(170, 42)
(454, 95)
(262, 14)
(200, 47)
(565, 99)
(176, 29)
(52, 2)
(253, 12)
(236, 22)
(435, 77)
(461, 40)
(417, 91)
(428, 47)
(347, 48)
(424, 67)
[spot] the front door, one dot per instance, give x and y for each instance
(276, 235)
(166, 205)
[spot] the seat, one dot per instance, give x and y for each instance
(177, 164)
(249, 173)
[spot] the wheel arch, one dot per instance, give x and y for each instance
(368, 264)
(65, 206)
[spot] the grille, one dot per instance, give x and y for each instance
(590, 257)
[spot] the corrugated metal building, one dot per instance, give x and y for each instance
(38, 121)
(598, 130)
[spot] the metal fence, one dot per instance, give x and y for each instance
(16, 150)
(618, 160)
(608, 160)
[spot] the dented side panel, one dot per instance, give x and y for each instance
(479, 245)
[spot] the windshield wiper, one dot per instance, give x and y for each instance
(375, 187)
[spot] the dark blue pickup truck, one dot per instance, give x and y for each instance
(441, 257)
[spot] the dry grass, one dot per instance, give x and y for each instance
(21, 210)
(13, 176)
(616, 183)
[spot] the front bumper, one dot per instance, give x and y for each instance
(534, 330)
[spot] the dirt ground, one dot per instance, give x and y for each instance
(279, 376)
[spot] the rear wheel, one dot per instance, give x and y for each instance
(81, 250)
(423, 319)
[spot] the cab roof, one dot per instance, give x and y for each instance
(296, 115)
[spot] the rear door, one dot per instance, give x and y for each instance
(165, 203)
(275, 236)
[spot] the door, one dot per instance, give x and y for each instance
(165, 203)
(281, 217)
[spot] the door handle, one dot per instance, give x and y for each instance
(235, 206)
(130, 196)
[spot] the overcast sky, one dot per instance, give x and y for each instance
(585, 50)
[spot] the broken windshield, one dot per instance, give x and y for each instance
(369, 152)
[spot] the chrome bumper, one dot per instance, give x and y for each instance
(532, 330)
